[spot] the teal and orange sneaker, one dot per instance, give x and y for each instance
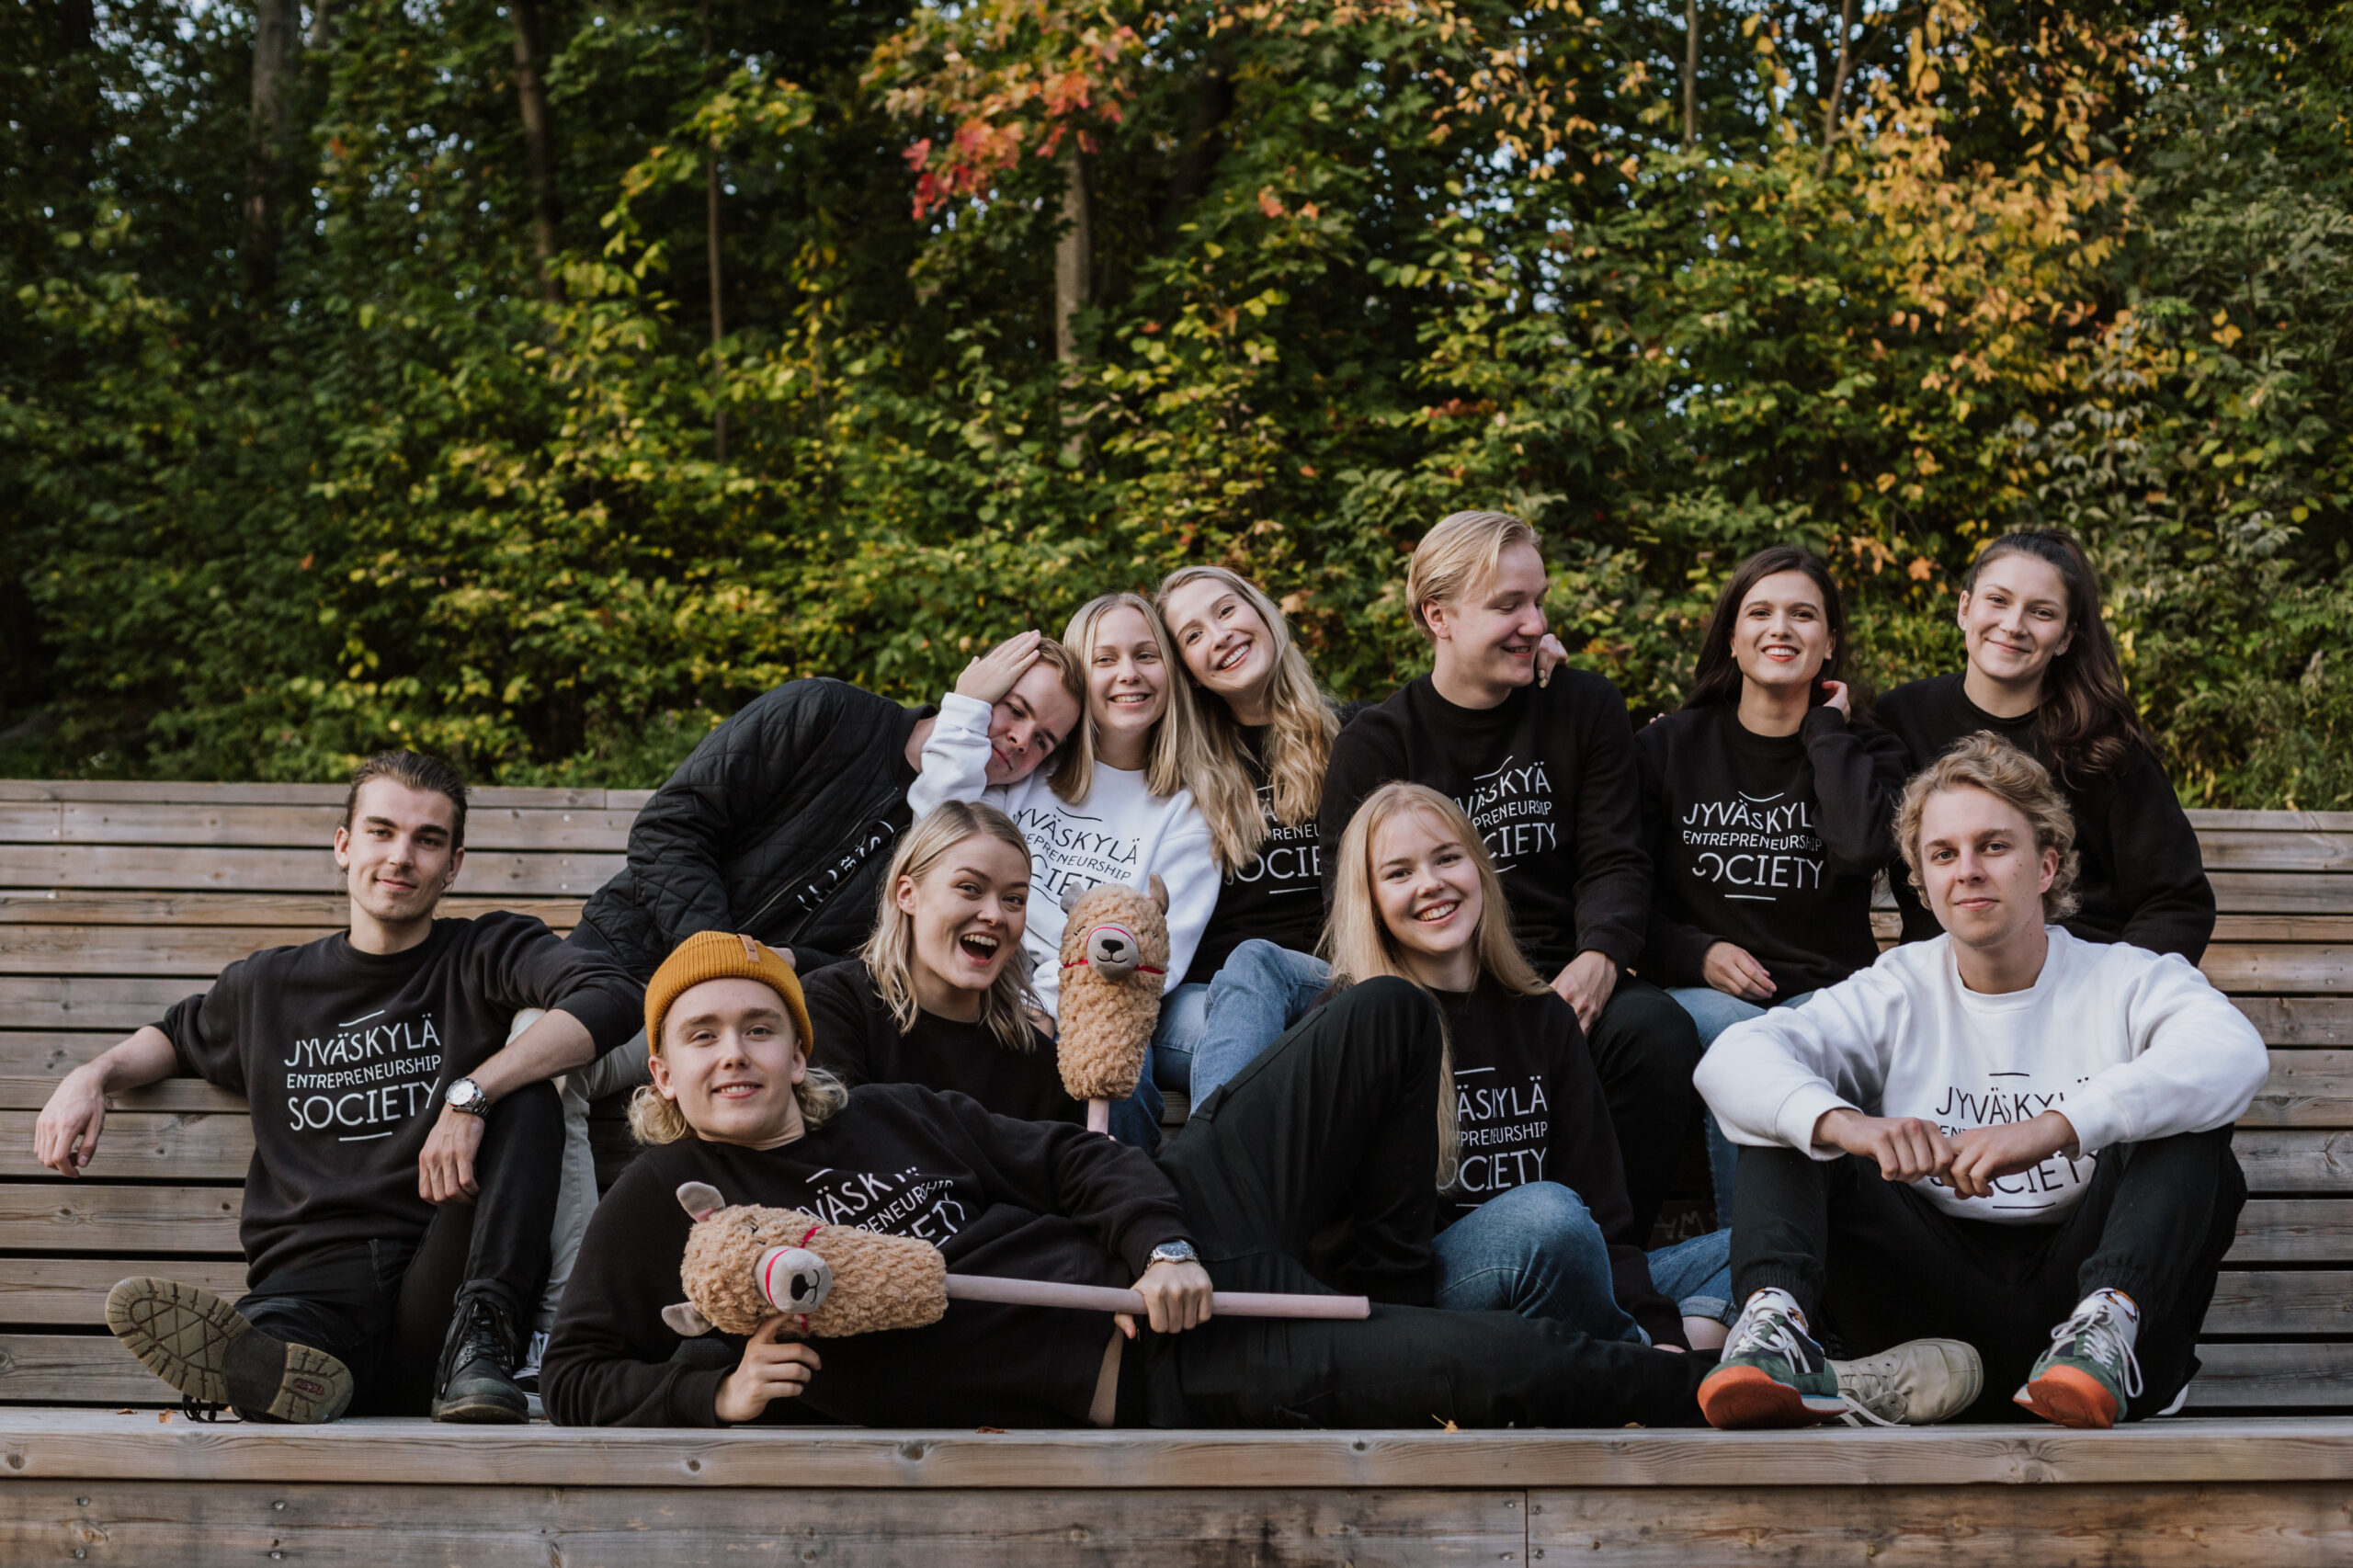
(1772, 1374)
(2089, 1375)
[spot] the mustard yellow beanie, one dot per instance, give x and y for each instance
(717, 955)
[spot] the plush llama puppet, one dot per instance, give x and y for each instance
(745, 1264)
(1115, 961)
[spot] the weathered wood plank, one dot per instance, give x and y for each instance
(127, 1521)
(199, 952)
(2290, 967)
(294, 826)
(489, 873)
(54, 907)
(2282, 892)
(2238, 849)
(31, 1092)
(36, 1445)
(2300, 1020)
(2295, 1162)
(2294, 1230)
(64, 1369)
(2240, 1376)
(2284, 1526)
(2307, 1088)
(49, 1054)
(122, 792)
(88, 1215)
(143, 1145)
(119, 1004)
(2207, 820)
(2282, 1301)
(73, 1289)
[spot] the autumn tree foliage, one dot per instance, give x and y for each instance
(864, 333)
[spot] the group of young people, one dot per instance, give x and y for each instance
(1453, 979)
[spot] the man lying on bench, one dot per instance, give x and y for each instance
(2008, 1135)
(406, 1155)
(1330, 1126)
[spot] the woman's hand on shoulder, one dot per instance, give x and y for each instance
(771, 1369)
(1551, 654)
(991, 677)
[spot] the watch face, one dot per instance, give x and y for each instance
(465, 1093)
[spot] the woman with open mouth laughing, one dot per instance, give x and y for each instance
(1766, 804)
(939, 996)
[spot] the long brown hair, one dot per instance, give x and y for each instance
(1299, 739)
(1716, 676)
(2085, 720)
(1359, 946)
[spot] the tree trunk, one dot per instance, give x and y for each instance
(321, 26)
(710, 249)
(1690, 73)
(277, 48)
(1073, 256)
(539, 149)
(1838, 83)
(718, 309)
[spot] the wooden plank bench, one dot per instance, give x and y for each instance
(117, 899)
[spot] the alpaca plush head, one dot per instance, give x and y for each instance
(746, 1264)
(1115, 961)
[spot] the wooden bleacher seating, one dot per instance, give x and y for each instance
(117, 899)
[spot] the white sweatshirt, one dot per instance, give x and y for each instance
(1120, 832)
(2129, 1045)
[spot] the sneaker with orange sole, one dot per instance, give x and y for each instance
(2088, 1377)
(1772, 1374)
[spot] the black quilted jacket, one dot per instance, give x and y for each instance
(779, 825)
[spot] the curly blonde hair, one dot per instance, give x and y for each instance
(1987, 762)
(654, 1120)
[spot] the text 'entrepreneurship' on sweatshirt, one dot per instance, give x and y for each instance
(1546, 777)
(2129, 1045)
(1767, 842)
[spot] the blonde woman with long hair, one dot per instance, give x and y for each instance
(939, 994)
(1532, 1210)
(1115, 807)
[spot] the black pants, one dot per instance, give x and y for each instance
(1876, 1262)
(383, 1308)
(1334, 1127)
(1645, 1048)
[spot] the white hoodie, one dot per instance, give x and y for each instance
(1120, 832)
(2129, 1045)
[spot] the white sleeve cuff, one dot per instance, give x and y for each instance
(1806, 1105)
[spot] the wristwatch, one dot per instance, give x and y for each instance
(1174, 1252)
(467, 1095)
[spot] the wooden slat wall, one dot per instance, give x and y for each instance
(116, 900)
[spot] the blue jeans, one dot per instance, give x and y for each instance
(1712, 1012)
(1182, 1014)
(1261, 990)
(1537, 1250)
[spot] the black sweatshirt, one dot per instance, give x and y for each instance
(1277, 897)
(1530, 1107)
(1767, 842)
(2144, 881)
(1016, 1199)
(859, 1042)
(343, 1056)
(1548, 779)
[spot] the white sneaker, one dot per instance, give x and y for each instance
(1917, 1384)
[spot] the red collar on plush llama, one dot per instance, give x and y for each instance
(1114, 958)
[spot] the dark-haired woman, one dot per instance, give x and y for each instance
(2042, 675)
(1766, 804)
